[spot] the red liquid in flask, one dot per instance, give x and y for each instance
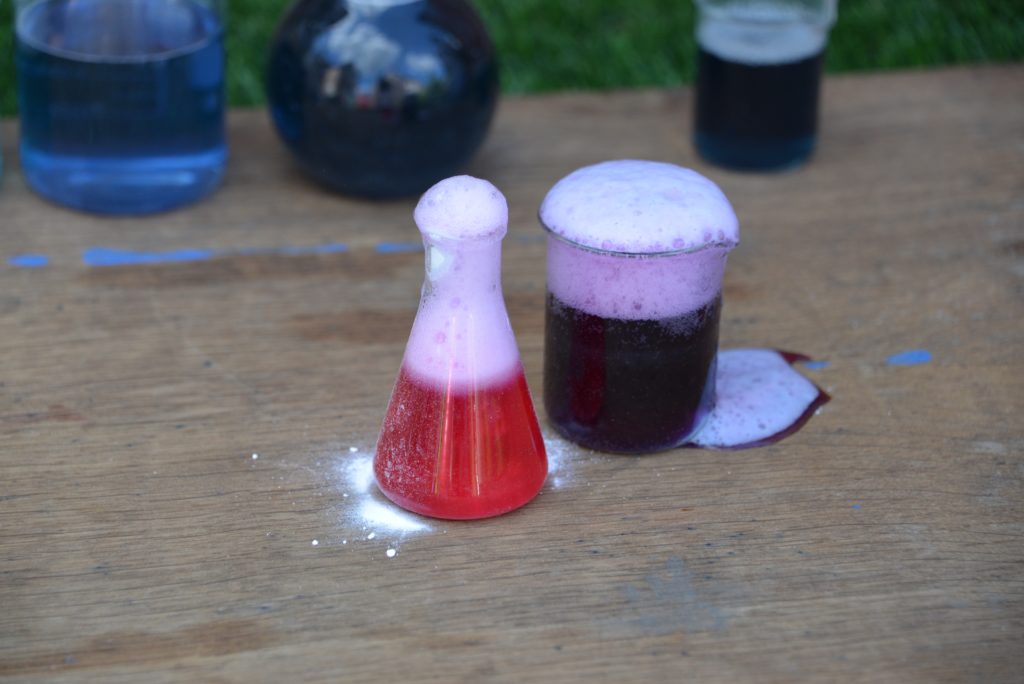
(460, 453)
(460, 438)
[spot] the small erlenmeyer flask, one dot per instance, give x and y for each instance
(460, 438)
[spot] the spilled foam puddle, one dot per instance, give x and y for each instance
(760, 399)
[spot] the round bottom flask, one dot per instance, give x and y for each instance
(382, 98)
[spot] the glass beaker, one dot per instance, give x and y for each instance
(636, 257)
(460, 438)
(121, 102)
(758, 80)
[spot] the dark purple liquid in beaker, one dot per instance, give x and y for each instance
(629, 386)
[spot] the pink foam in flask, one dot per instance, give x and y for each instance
(460, 438)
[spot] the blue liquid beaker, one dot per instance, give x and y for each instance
(121, 102)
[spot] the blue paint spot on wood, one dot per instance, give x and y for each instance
(911, 357)
(817, 365)
(109, 256)
(330, 248)
(29, 260)
(398, 247)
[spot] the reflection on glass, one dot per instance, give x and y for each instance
(382, 98)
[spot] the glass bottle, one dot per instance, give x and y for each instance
(460, 438)
(121, 102)
(759, 68)
(382, 98)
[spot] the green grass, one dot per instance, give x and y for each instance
(595, 44)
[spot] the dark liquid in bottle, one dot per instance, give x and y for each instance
(629, 386)
(754, 116)
(382, 99)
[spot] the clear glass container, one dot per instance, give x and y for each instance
(759, 80)
(636, 257)
(382, 98)
(121, 102)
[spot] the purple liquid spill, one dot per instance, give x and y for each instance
(760, 400)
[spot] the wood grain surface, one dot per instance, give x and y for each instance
(140, 541)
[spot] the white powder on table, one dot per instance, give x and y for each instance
(559, 461)
(364, 514)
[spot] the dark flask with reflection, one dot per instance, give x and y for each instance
(382, 98)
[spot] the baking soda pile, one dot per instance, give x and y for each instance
(364, 512)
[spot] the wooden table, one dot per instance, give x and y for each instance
(142, 540)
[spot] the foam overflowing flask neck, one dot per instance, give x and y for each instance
(460, 438)
(470, 270)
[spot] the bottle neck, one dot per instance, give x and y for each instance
(374, 6)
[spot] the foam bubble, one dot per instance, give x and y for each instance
(759, 396)
(640, 207)
(462, 207)
(643, 209)
(634, 288)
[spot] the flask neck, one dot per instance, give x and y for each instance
(461, 336)
(469, 268)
